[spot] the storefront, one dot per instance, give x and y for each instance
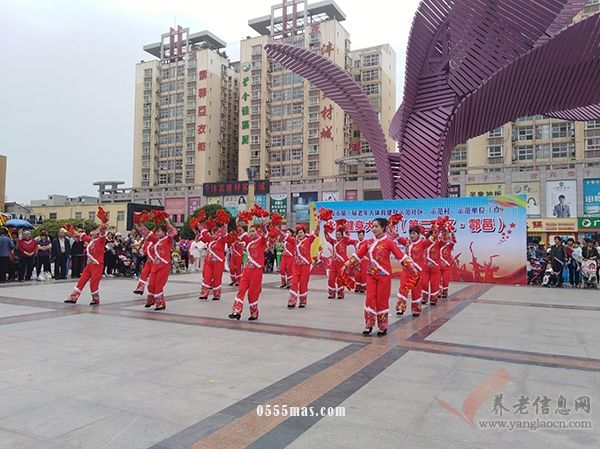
(545, 229)
(589, 228)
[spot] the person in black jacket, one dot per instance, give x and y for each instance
(61, 250)
(77, 256)
(558, 258)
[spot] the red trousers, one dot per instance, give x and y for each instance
(377, 302)
(144, 276)
(404, 291)
(286, 269)
(212, 275)
(251, 284)
(360, 276)
(93, 273)
(235, 269)
(334, 284)
(430, 284)
(158, 279)
(299, 287)
(446, 273)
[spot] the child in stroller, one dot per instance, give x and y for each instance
(550, 277)
(178, 264)
(588, 272)
(535, 271)
(125, 264)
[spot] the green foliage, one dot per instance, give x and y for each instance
(211, 211)
(52, 226)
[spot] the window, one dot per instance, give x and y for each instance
(542, 151)
(542, 132)
(524, 132)
(297, 139)
(313, 165)
(313, 117)
(254, 140)
(524, 153)
(145, 176)
(256, 50)
(256, 65)
(298, 93)
(297, 108)
(297, 154)
(495, 151)
(459, 154)
(255, 124)
(145, 151)
(560, 150)
(52, 215)
(296, 124)
(92, 215)
(370, 75)
(592, 144)
(255, 110)
(275, 81)
(370, 60)
(313, 148)
(256, 94)
(313, 133)
(147, 72)
(78, 215)
(594, 124)
(296, 170)
(276, 141)
(255, 79)
(276, 171)
(121, 215)
(371, 89)
(561, 130)
(375, 102)
(495, 132)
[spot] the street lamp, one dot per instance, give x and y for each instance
(251, 173)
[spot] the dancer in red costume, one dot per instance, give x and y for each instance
(379, 275)
(361, 269)
(448, 240)
(256, 241)
(302, 265)
(94, 267)
(287, 259)
(161, 266)
(416, 247)
(430, 285)
(339, 257)
(214, 261)
(237, 257)
(147, 252)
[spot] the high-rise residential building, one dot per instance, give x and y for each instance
(2, 181)
(186, 116)
(288, 129)
(540, 157)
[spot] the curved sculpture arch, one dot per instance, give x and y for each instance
(471, 66)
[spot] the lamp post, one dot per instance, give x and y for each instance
(251, 172)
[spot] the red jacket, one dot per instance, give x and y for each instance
(289, 246)
(95, 248)
(417, 251)
(215, 250)
(302, 254)
(256, 250)
(379, 251)
(161, 251)
(446, 252)
(27, 247)
(237, 248)
(340, 247)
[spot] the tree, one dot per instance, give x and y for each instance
(211, 212)
(52, 226)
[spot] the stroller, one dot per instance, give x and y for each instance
(178, 264)
(588, 274)
(536, 275)
(550, 277)
(125, 264)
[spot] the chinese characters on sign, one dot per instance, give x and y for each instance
(482, 190)
(201, 145)
(245, 108)
(234, 188)
(541, 405)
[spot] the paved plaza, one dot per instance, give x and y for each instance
(120, 376)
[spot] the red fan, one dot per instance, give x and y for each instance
(102, 215)
(342, 222)
(245, 216)
(396, 218)
(347, 280)
(159, 216)
(329, 227)
(210, 224)
(276, 219)
(222, 217)
(421, 230)
(194, 223)
(70, 229)
(325, 214)
(201, 216)
(258, 211)
(137, 218)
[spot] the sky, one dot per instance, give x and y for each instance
(68, 78)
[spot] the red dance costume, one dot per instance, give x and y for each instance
(94, 267)
(339, 258)
(236, 259)
(301, 271)
(147, 250)
(161, 268)
(214, 264)
(417, 252)
(360, 275)
(430, 284)
(251, 279)
(286, 266)
(379, 278)
(446, 263)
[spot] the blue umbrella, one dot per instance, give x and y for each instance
(16, 223)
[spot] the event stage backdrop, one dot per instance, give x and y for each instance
(491, 231)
